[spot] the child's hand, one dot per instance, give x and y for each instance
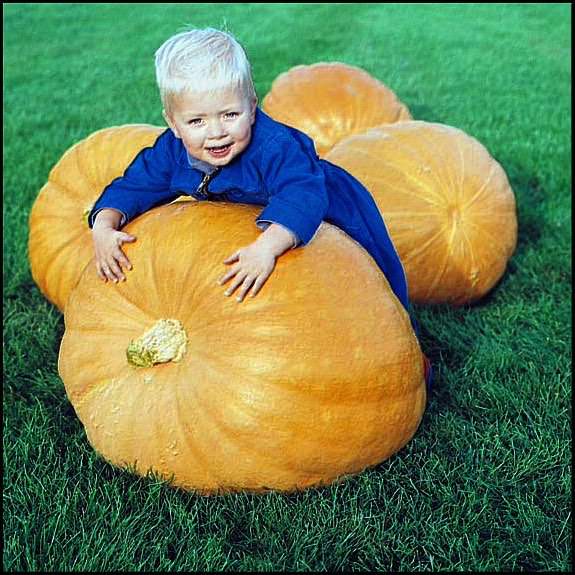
(255, 264)
(109, 256)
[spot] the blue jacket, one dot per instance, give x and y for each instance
(280, 170)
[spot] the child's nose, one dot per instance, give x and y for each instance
(216, 129)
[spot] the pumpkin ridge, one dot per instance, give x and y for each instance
(312, 395)
(53, 273)
(82, 165)
(212, 422)
(119, 303)
(472, 271)
(321, 142)
(126, 380)
(80, 400)
(444, 164)
(495, 243)
(98, 144)
(73, 192)
(398, 214)
(199, 400)
(52, 216)
(413, 153)
(481, 189)
(450, 167)
(147, 270)
(435, 167)
(205, 461)
(124, 291)
(78, 330)
(66, 243)
(439, 167)
(224, 429)
(506, 204)
(419, 185)
(421, 247)
(439, 276)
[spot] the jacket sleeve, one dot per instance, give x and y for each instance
(296, 183)
(144, 185)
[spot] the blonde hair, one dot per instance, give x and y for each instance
(202, 61)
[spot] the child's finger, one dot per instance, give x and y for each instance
(101, 274)
(234, 257)
(122, 259)
(246, 285)
(230, 274)
(240, 277)
(115, 271)
(260, 281)
(108, 273)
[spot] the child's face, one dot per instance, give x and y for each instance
(214, 127)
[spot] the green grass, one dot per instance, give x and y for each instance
(485, 483)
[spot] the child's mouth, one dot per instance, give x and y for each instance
(219, 151)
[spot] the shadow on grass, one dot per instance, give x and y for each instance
(530, 197)
(422, 112)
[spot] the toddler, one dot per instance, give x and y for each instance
(220, 146)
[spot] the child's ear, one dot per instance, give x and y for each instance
(170, 123)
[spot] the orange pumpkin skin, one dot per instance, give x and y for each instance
(60, 242)
(447, 204)
(330, 101)
(317, 377)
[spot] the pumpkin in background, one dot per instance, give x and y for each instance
(447, 203)
(330, 101)
(60, 242)
(319, 376)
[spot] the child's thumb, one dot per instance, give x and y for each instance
(234, 257)
(127, 238)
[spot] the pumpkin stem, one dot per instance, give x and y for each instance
(165, 341)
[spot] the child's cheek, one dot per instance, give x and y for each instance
(194, 141)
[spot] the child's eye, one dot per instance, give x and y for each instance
(231, 115)
(195, 122)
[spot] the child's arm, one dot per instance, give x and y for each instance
(144, 184)
(107, 241)
(296, 181)
(256, 261)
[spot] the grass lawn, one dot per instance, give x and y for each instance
(485, 484)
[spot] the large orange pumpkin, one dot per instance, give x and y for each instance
(317, 377)
(330, 101)
(447, 204)
(60, 242)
